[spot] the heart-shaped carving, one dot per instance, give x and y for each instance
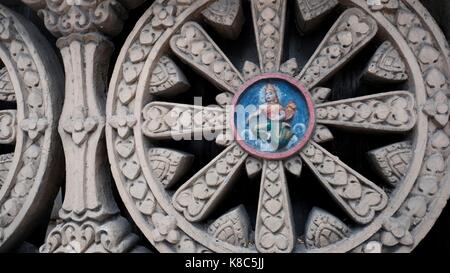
(202, 191)
(184, 198)
(195, 207)
(131, 169)
(353, 190)
(273, 189)
(147, 206)
(125, 147)
(272, 176)
(345, 38)
(268, 240)
(126, 92)
(340, 177)
(138, 190)
(131, 71)
(370, 199)
(273, 223)
(212, 178)
(222, 167)
(327, 167)
(273, 206)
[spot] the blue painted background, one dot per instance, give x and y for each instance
(254, 95)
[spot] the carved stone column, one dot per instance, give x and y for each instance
(91, 220)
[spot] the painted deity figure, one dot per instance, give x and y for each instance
(271, 122)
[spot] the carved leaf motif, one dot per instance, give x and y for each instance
(6, 89)
(323, 229)
(387, 65)
(167, 79)
(198, 197)
(232, 227)
(347, 36)
(168, 165)
(311, 12)
(195, 47)
(226, 17)
(164, 120)
(385, 112)
(392, 161)
(358, 196)
(275, 231)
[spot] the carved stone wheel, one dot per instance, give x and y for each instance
(30, 105)
(181, 49)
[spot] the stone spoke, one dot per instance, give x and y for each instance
(194, 47)
(275, 231)
(226, 17)
(385, 112)
(269, 18)
(199, 196)
(163, 120)
(359, 197)
(8, 126)
(351, 32)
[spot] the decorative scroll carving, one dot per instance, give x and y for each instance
(91, 237)
(168, 165)
(5, 164)
(8, 124)
(358, 196)
(63, 17)
(226, 17)
(347, 36)
(275, 231)
(387, 65)
(392, 161)
(167, 79)
(168, 120)
(311, 12)
(386, 112)
(269, 18)
(232, 227)
(196, 48)
(198, 196)
(6, 88)
(324, 229)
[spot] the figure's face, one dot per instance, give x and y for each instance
(270, 96)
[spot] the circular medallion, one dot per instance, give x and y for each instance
(273, 116)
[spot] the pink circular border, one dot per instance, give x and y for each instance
(311, 111)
